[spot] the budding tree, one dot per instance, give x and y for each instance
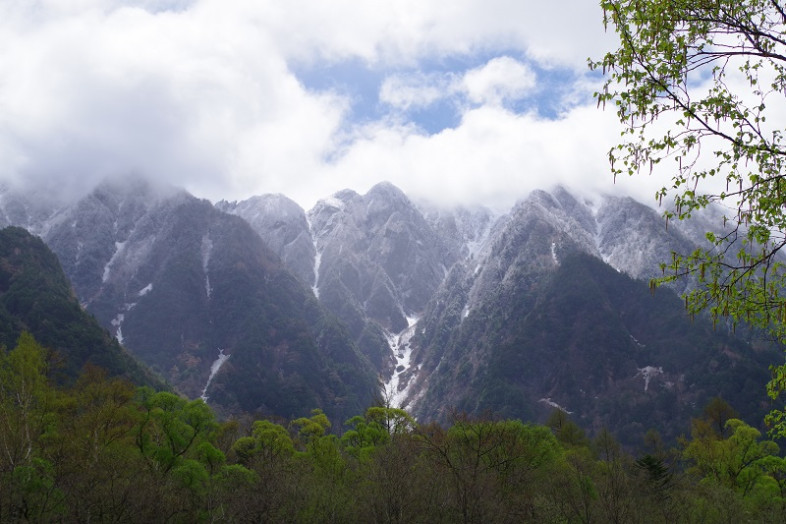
(700, 87)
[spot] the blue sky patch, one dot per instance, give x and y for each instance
(360, 82)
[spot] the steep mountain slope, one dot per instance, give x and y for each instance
(196, 294)
(601, 346)
(372, 259)
(547, 305)
(91, 237)
(35, 296)
(33, 212)
(283, 226)
(379, 262)
(464, 229)
(538, 320)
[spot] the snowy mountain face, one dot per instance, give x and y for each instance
(372, 260)
(634, 239)
(538, 317)
(464, 229)
(520, 248)
(260, 306)
(35, 213)
(378, 263)
(179, 282)
(381, 250)
(104, 237)
(283, 226)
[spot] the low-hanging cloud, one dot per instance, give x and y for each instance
(202, 94)
(495, 157)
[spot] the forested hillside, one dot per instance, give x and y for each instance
(263, 308)
(105, 451)
(599, 344)
(180, 283)
(36, 297)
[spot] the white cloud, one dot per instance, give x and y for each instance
(202, 100)
(397, 31)
(501, 79)
(494, 156)
(418, 90)
(203, 94)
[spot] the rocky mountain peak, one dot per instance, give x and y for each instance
(453, 307)
(385, 198)
(633, 238)
(581, 212)
(283, 226)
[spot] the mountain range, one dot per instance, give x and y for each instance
(36, 297)
(262, 307)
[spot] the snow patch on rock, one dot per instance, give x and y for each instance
(397, 387)
(648, 373)
(317, 262)
(119, 248)
(553, 404)
(214, 367)
(117, 323)
(207, 251)
(317, 257)
(465, 312)
(477, 244)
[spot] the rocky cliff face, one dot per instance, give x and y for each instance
(261, 306)
(372, 259)
(106, 236)
(180, 283)
(379, 252)
(548, 313)
(35, 296)
(283, 226)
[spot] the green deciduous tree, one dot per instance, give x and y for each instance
(376, 428)
(25, 399)
(27, 482)
(699, 87)
(492, 467)
(567, 432)
(736, 467)
(734, 462)
(171, 427)
(268, 442)
(92, 447)
(313, 427)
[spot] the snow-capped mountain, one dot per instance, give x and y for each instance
(555, 310)
(283, 226)
(371, 259)
(377, 252)
(465, 229)
(106, 236)
(182, 284)
(261, 306)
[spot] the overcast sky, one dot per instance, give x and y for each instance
(467, 101)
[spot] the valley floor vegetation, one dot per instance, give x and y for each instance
(102, 450)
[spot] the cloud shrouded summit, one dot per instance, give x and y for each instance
(474, 102)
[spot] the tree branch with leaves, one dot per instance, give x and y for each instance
(700, 88)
